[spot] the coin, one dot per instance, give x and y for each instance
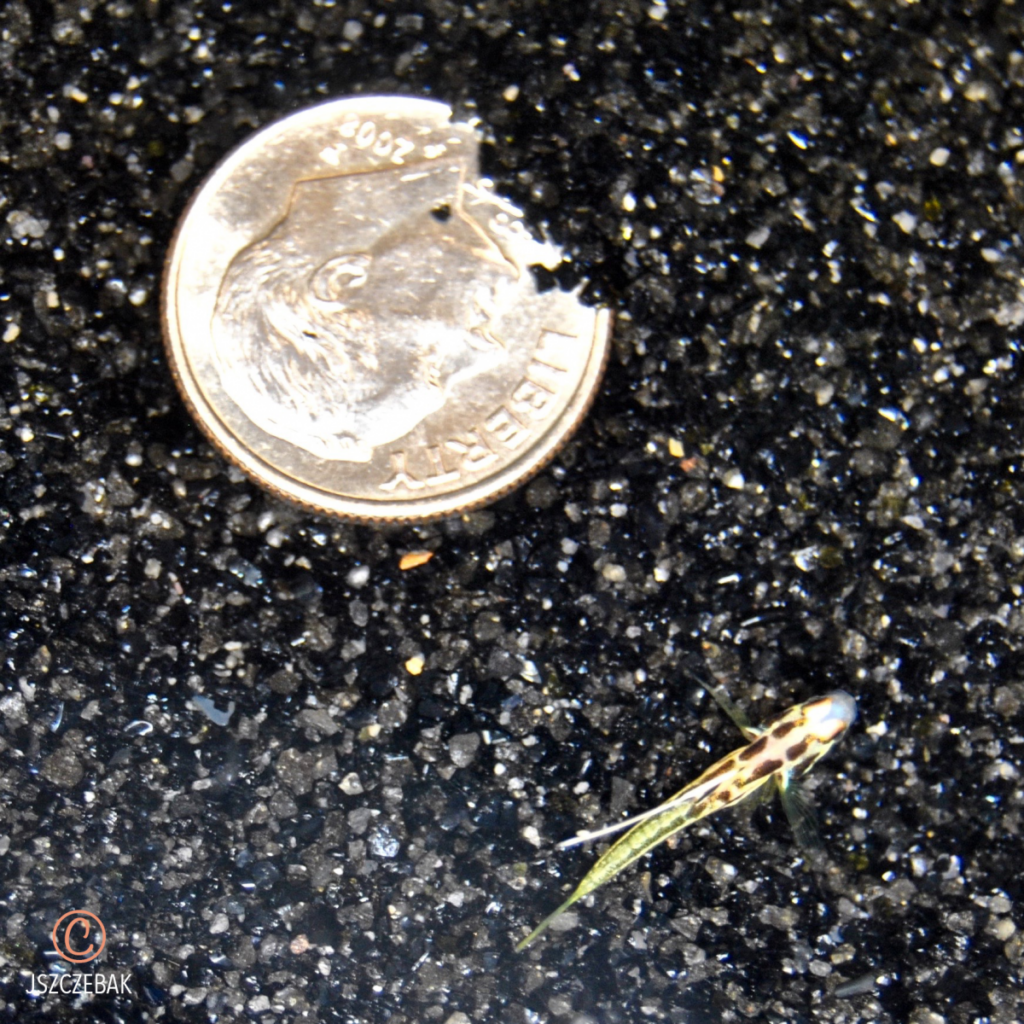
(350, 315)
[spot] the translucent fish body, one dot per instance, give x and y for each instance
(781, 752)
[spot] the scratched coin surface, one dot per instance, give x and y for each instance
(350, 315)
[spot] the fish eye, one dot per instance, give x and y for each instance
(841, 707)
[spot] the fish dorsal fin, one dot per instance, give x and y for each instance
(610, 830)
(690, 795)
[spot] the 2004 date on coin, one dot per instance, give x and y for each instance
(350, 315)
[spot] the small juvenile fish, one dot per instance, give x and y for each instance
(780, 752)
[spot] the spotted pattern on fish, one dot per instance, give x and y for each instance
(763, 769)
(727, 765)
(795, 752)
(790, 745)
(782, 729)
(755, 749)
(801, 768)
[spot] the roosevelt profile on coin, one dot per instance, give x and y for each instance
(356, 315)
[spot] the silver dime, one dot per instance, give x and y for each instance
(350, 315)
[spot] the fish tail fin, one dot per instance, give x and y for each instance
(542, 927)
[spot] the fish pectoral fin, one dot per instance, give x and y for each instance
(733, 710)
(800, 814)
(755, 799)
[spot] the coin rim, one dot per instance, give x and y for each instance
(536, 457)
